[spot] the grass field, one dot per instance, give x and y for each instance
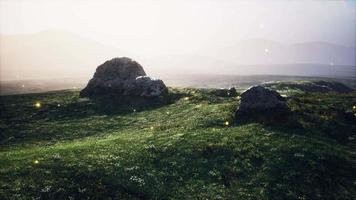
(56, 145)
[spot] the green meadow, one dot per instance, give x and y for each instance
(56, 145)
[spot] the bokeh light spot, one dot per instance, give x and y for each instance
(38, 104)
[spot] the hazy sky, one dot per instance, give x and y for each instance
(156, 27)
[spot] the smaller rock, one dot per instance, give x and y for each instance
(232, 92)
(347, 115)
(146, 86)
(259, 103)
(226, 92)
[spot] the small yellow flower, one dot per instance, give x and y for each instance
(151, 127)
(227, 123)
(354, 107)
(36, 162)
(186, 98)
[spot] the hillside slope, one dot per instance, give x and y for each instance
(74, 148)
(51, 54)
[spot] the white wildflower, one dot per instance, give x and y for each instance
(299, 155)
(46, 189)
(138, 180)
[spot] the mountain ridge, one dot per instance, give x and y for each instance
(58, 53)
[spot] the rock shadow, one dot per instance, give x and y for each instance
(288, 122)
(107, 105)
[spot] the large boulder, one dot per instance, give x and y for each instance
(123, 77)
(259, 103)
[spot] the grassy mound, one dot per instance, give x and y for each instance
(291, 87)
(58, 146)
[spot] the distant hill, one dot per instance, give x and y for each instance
(206, 65)
(260, 51)
(51, 54)
(259, 56)
(60, 54)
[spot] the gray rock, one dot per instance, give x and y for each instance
(261, 103)
(123, 77)
(232, 91)
(146, 86)
(226, 92)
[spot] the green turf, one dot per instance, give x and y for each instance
(72, 148)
